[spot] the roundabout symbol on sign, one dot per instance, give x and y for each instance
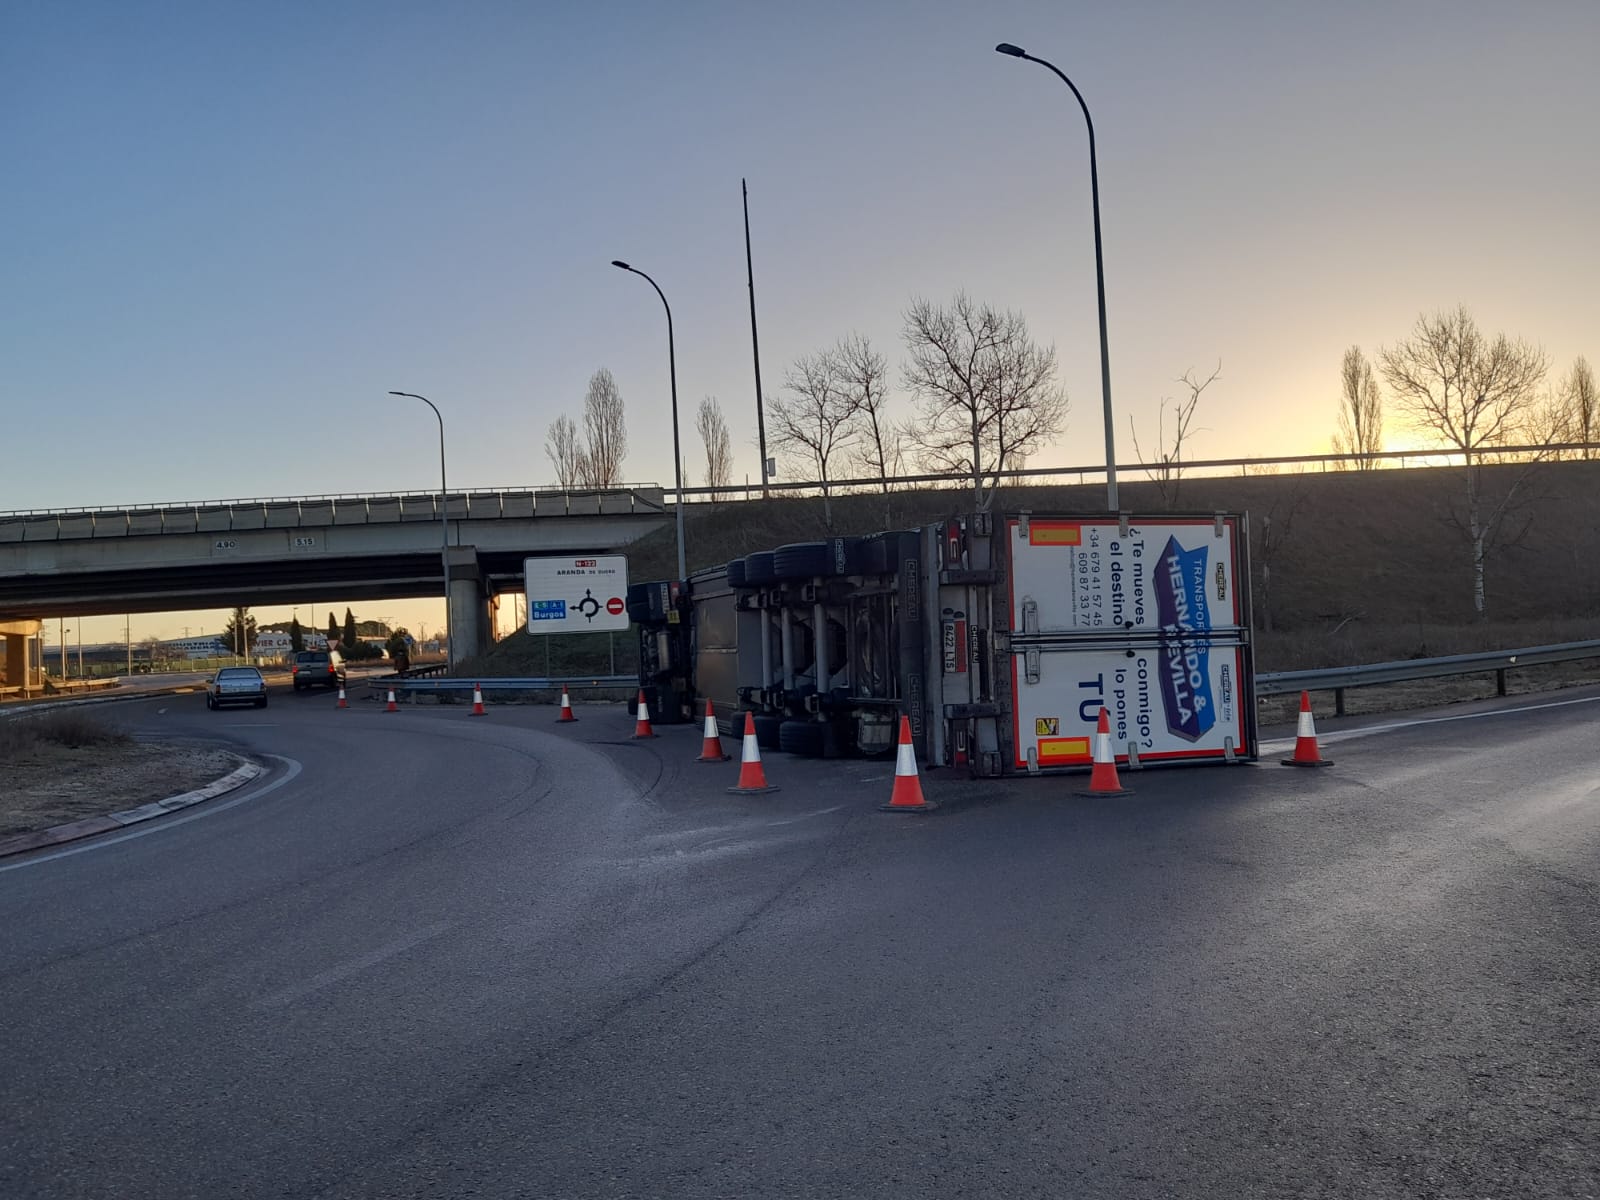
(588, 606)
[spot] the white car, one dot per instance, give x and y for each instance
(236, 685)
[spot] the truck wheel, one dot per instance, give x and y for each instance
(758, 568)
(768, 728)
(801, 737)
(736, 572)
(801, 560)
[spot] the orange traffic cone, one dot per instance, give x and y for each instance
(1306, 753)
(391, 706)
(342, 703)
(477, 701)
(907, 795)
(1103, 779)
(711, 750)
(752, 779)
(641, 728)
(566, 708)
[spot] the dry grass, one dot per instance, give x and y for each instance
(23, 738)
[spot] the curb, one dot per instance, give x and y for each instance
(21, 843)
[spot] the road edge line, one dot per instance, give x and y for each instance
(56, 835)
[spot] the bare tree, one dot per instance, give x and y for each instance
(1473, 394)
(605, 432)
(719, 446)
(1580, 402)
(1360, 429)
(863, 374)
(815, 418)
(986, 393)
(1167, 471)
(561, 446)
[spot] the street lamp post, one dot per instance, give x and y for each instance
(444, 526)
(1099, 272)
(672, 371)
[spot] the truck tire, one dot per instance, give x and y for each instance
(801, 560)
(736, 572)
(801, 737)
(639, 603)
(758, 568)
(767, 730)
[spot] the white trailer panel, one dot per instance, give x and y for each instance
(1086, 575)
(1172, 700)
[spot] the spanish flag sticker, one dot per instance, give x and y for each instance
(1055, 533)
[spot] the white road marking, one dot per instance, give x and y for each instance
(345, 970)
(1278, 745)
(210, 810)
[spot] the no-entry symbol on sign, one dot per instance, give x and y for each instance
(614, 605)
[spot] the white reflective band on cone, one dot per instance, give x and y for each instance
(751, 752)
(711, 727)
(644, 711)
(1306, 728)
(905, 759)
(1102, 747)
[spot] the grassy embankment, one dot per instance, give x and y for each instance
(1346, 567)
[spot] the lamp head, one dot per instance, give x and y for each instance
(617, 262)
(1013, 51)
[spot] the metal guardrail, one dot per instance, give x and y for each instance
(542, 683)
(1337, 679)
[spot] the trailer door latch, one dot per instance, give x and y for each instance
(1030, 660)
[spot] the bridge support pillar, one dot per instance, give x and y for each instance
(17, 671)
(469, 604)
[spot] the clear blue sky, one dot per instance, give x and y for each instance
(230, 229)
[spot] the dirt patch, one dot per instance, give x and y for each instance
(51, 784)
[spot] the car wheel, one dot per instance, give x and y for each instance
(261, 703)
(211, 703)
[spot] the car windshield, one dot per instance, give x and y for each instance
(238, 673)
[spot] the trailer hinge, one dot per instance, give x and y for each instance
(1030, 615)
(1033, 760)
(1227, 751)
(1221, 521)
(1133, 756)
(1002, 642)
(981, 523)
(1022, 525)
(1122, 524)
(1031, 664)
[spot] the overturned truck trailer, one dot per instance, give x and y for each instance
(999, 636)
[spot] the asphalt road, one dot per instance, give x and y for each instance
(437, 956)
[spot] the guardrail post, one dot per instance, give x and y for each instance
(1500, 681)
(1338, 702)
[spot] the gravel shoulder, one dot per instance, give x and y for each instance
(54, 784)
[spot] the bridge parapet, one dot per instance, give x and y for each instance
(232, 516)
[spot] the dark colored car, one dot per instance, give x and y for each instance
(318, 668)
(236, 685)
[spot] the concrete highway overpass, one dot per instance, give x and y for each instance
(298, 550)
